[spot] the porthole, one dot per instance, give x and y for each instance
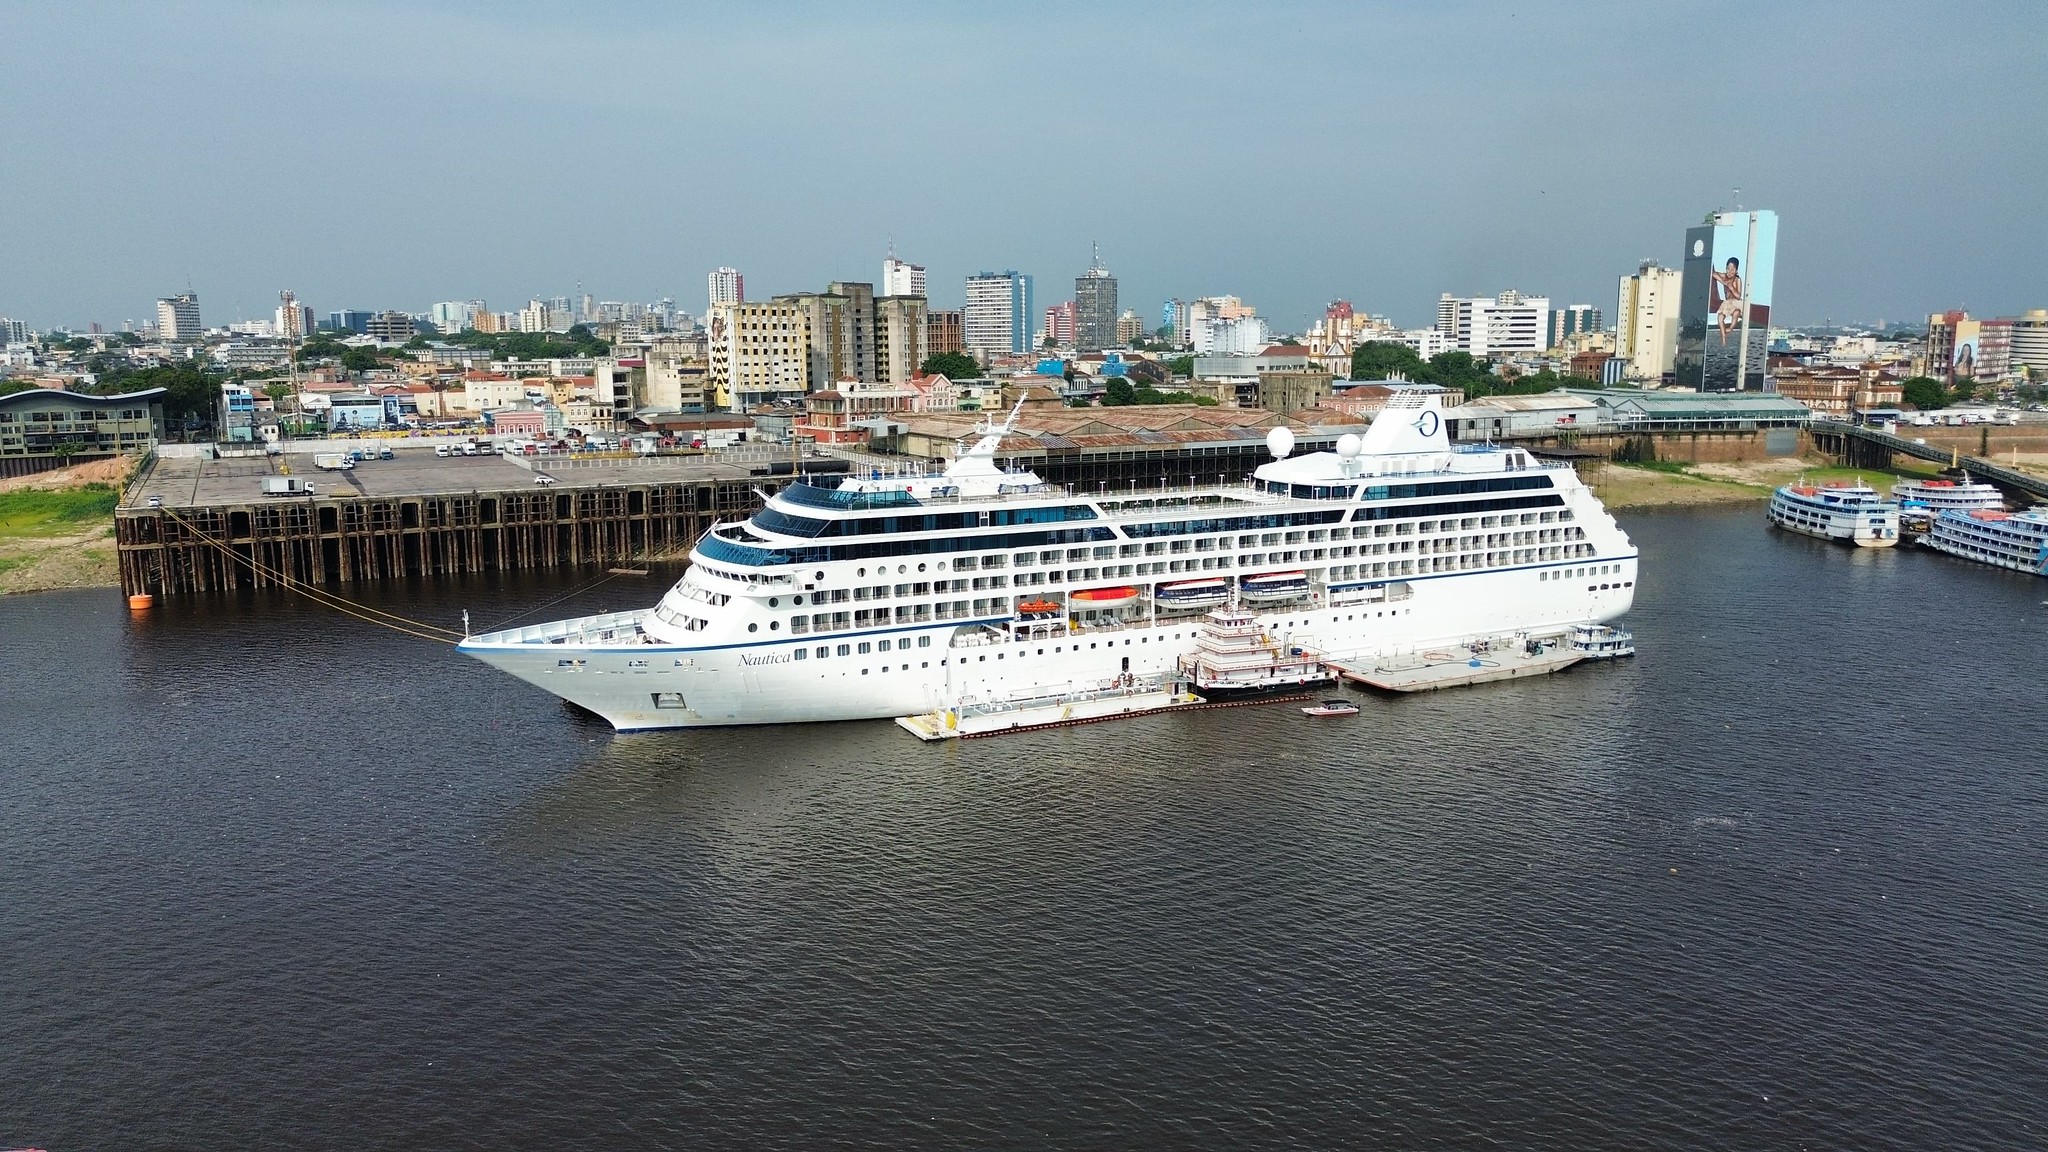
(861, 572)
(753, 627)
(797, 600)
(773, 602)
(819, 576)
(774, 625)
(920, 567)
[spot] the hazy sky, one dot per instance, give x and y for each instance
(391, 155)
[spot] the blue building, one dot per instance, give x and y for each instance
(350, 321)
(355, 412)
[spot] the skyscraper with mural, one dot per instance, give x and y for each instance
(1724, 328)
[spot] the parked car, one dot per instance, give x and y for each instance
(441, 450)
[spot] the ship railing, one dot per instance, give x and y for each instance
(1108, 689)
(609, 627)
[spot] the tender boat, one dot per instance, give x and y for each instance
(1837, 511)
(1275, 586)
(1332, 708)
(1099, 598)
(1037, 608)
(1600, 642)
(1192, 593)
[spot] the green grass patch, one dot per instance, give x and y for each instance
(10, 563)
(1671, 467)
(36, 512)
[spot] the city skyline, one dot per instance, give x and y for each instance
(239, 207)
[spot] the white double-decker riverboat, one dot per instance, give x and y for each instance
(890, 596)
(1839, 511)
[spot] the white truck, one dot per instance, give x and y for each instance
(333, 462)
(286, 486)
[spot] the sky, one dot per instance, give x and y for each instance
(387, 155)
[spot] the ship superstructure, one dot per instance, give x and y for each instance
(891, 595)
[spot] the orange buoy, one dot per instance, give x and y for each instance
(141, 602)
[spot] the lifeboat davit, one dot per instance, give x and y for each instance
(1095, 598)
(1275, 586)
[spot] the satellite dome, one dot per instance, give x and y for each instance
(1280, 442)
(1349, 445)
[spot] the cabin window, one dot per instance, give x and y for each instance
(924, 641)
(847, 649)
(865, 647)
(800, 654)
(882, 646)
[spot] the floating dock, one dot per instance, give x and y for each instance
(1430, 671)
(972, 722)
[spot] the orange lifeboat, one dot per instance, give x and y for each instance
(1036, 607)
(1094, 598)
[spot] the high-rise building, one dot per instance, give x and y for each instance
(1724, 326)
(455, 315)
(1496, 325)
(294, 321)
(900, 326)
(727, 286)
(1130, 327)
(901, 279)
(1646, 321)
(1241, 335)
(997, 319)
(759, 352)
(1059, 324)
(1994, 350)
(13, 331)
(945, 330)
(2030, 343)
(1095, 307)
(1571, 320)
(1173, 317)
(177, 318)
(841, 323)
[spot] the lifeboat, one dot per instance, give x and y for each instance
(1275, 586)
(1194, 593)
(1097, 598)
(1036, 607)
(1989, 514)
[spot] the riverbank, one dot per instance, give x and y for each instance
(1669, 484)
(57, 528)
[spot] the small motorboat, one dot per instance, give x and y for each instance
(1332, 708)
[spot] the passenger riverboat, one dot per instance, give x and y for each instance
(2014, 540)
(1838, 511)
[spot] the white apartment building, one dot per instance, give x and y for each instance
(901, 279)
(1231, 336)
(1495, 326)
(727, 286)
(455, 315)
(1646, 321)
(998, 317)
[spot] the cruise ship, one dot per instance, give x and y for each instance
(893, 595)
(2015, 540)
(1839, 511)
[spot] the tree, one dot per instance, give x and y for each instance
(1182, 366)
(1289, 342)
(1925, 393)
(358, 359)
(1386, 360)
(416, 342)
(1118, 393)
(951, 365)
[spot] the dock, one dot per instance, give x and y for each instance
(1038, 714)
(194, 526)
(1431, 671)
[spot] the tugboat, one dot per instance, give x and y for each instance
(1235, 656)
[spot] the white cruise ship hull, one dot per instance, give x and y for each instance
(638, 685)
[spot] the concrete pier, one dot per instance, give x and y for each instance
(193, 525)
